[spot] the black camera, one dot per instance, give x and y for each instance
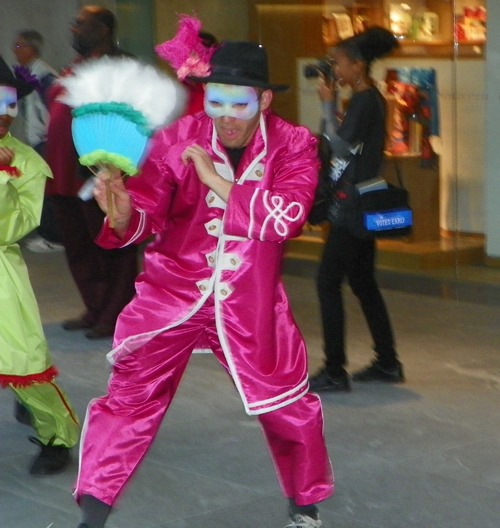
(323, 66)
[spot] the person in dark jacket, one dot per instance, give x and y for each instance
(105, 278)
(357, 145)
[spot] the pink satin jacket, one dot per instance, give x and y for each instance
(232, 251)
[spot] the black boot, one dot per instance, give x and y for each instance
(323, 382)
(94, 512)
(51, 460)
(378, 372)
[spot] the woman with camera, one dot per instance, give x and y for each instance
(357, 145)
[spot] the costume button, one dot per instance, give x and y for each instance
(230, 261)
(258, 173)
(225, 290)
(211, 260)
(214, 227)
(214, 201)
(203, 288)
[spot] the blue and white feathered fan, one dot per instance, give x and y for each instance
(118, 102)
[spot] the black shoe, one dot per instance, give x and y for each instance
(303, 521)
(375, 372)
(322, 381)
(21, 413)
(51, 460)
(76, 324)
(100, 331)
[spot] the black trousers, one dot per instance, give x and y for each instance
(105, 277)
(48, 227)
(347, 256)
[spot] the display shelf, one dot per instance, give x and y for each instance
(433, 29)
(441, 49)
(446, 252)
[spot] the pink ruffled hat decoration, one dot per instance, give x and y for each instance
(186, 52)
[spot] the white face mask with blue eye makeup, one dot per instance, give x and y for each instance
(228, 100)
(8, 101)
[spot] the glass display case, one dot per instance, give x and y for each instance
(438, 27)
(442, 168)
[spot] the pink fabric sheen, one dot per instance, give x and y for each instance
(121, 426)
(260, 339)
(212, 276)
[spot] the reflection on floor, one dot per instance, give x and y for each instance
(444, 253)
(447, 252)
(425, 454)
(477, 284)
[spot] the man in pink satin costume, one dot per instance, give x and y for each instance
(221, 192)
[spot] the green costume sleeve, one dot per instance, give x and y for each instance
(21, 198)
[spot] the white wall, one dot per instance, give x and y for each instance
(492, 158)
(50, 17)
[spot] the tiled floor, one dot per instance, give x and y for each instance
(422, 455)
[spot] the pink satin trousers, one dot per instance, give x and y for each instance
(120, 426)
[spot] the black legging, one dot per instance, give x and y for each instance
(105, 278)
(347, 255)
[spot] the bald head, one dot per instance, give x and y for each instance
(94, 31)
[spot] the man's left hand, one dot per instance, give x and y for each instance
(205, 169)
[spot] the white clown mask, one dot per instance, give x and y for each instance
(228, 100)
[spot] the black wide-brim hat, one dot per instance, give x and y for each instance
(242, 64)
(7, 78)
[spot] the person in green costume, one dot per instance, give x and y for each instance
(25, 362)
